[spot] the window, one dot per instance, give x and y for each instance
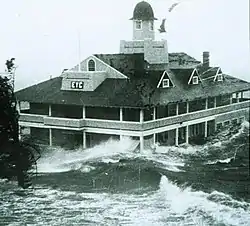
(151, 25)
(241, 119)
(91, 65)
(195, 80)
(234, 121)
(220, 77)
(165, 83)
(138, 24)
(226, 123)
(219, 126)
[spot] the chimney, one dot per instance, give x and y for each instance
(206, 62)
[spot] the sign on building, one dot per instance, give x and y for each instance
(77, 85)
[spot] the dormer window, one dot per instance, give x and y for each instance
(195, 79)
(151, 25)
(138, 24)
(91, 65)
(165, 83)
(220, 77)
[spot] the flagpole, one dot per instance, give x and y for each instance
(79, 49)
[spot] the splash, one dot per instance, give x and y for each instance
(219, 207)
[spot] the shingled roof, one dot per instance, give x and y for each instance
(137, 90)
(205, 89)
(131, 65)
(134, 65)
(207, 73)
(129, 93)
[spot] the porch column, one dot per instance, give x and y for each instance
(121, 114)
(205, 129)
(187, 106)
(50, 137)
(237, 98)
(18, 107)
(141, 142)
(176, 136)
(231, 98)
(177, 109)
(206, 103)
(141, 115)
(84, 139)
(83, 112)
(154, 113)
(154, 139)
(215, 102)
(187, 134)
(50, 110)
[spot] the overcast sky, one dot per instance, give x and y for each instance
(43, 34)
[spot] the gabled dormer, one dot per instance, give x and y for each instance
(194, 78)
(88, 75)
(219, 76)
(165, 81)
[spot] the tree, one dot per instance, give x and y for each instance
(16, 157)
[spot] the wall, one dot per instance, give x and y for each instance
(91, 80)
(144, 32)
(155, 52)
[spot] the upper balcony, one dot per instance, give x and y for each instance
(80, 124)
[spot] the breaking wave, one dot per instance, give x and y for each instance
(109, 185)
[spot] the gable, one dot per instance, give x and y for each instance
(219, 76)
(99, 66)
(165, 79)
(194, 77)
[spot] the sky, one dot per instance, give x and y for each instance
(44, 35)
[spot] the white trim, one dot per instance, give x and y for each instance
(203, 79)
(113, 132)
(108, 66)
(88, 65)
(138, 29)
(163, 74)
(191, 77)
(217, 73)
(165, 80)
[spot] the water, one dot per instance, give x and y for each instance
(107, 185)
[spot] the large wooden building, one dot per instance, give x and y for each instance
(143, 92)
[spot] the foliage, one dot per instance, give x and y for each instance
(16, 157)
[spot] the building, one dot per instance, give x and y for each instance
(143, 92)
